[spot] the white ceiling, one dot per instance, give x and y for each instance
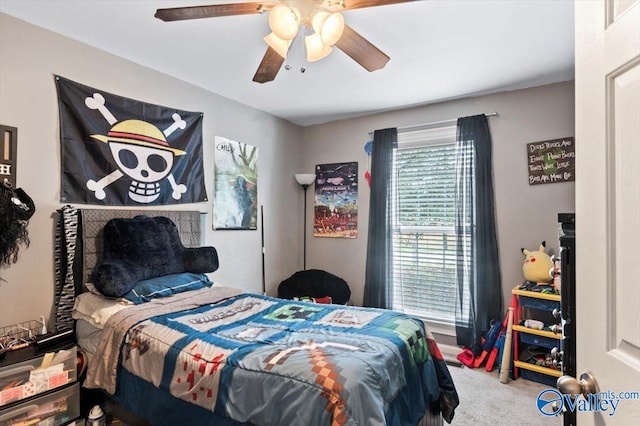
(439, 49)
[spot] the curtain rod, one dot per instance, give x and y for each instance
(434, 123)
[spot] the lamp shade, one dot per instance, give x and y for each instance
(305, 178)
(318, 19)
(279, 45)
(329, 25)
(316, 49)
(284, 21)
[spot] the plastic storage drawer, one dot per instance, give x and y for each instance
(29, 378)
(53, 409)
(534, 339)
(542, 304)
(538, 377)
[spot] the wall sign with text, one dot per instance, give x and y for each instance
(551, 161)
(8, 154)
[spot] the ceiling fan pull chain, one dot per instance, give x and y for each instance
(287, 65)
(302, 58)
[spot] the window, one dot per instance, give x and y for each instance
(424, 243)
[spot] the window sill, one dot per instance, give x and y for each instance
(438, 327)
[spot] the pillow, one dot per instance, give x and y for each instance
(114, 279)
(96, 309)
(166, 285)
(142, 248)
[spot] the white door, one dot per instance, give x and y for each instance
(608, 204)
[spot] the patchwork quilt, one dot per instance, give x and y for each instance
(266, 361)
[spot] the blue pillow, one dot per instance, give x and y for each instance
(166, 285)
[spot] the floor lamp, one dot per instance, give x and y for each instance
(304, 180)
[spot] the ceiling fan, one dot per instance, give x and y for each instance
(285, 18)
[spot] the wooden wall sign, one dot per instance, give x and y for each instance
(8, 154)
(551, 161)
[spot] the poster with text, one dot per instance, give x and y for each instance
(236, 185)
(336, 200)
(551, 161)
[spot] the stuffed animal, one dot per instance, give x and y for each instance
(538, 266)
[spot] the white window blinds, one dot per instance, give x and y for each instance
(424, 246)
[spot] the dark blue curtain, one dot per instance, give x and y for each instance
(379, 267)
(478, 264)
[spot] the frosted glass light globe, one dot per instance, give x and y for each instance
(284, 21)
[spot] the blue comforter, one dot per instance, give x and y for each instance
(266, 361)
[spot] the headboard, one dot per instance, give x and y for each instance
(79, 246)
(92, 222)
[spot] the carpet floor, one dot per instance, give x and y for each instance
(486, 401)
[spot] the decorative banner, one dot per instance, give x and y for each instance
(120, 151)
(236, 185)
(336, 200)
(551, 161)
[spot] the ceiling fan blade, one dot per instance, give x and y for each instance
(269, 67)
(361, 50)
(212, 11)
(359, 4)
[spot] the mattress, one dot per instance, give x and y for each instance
(87, 336)
(91, 311)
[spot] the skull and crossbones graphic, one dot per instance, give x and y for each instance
(141, 152)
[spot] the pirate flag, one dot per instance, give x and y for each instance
(122, 152)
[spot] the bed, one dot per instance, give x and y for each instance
(216, 355)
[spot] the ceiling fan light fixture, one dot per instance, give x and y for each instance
(332, 28)
(276, 43)
(329, 25)
(284, 21)
(316, 49)
(318, 19)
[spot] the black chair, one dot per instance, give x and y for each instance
(315, 283)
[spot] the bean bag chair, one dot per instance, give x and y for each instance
(317, 284)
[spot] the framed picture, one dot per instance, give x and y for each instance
(235, 204)
(336, 200)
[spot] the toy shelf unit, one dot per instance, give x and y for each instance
(537, 334)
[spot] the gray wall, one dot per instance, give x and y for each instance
(526, 215)
(30, 56)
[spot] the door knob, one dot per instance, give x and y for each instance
(586, 385)
(556, 356)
